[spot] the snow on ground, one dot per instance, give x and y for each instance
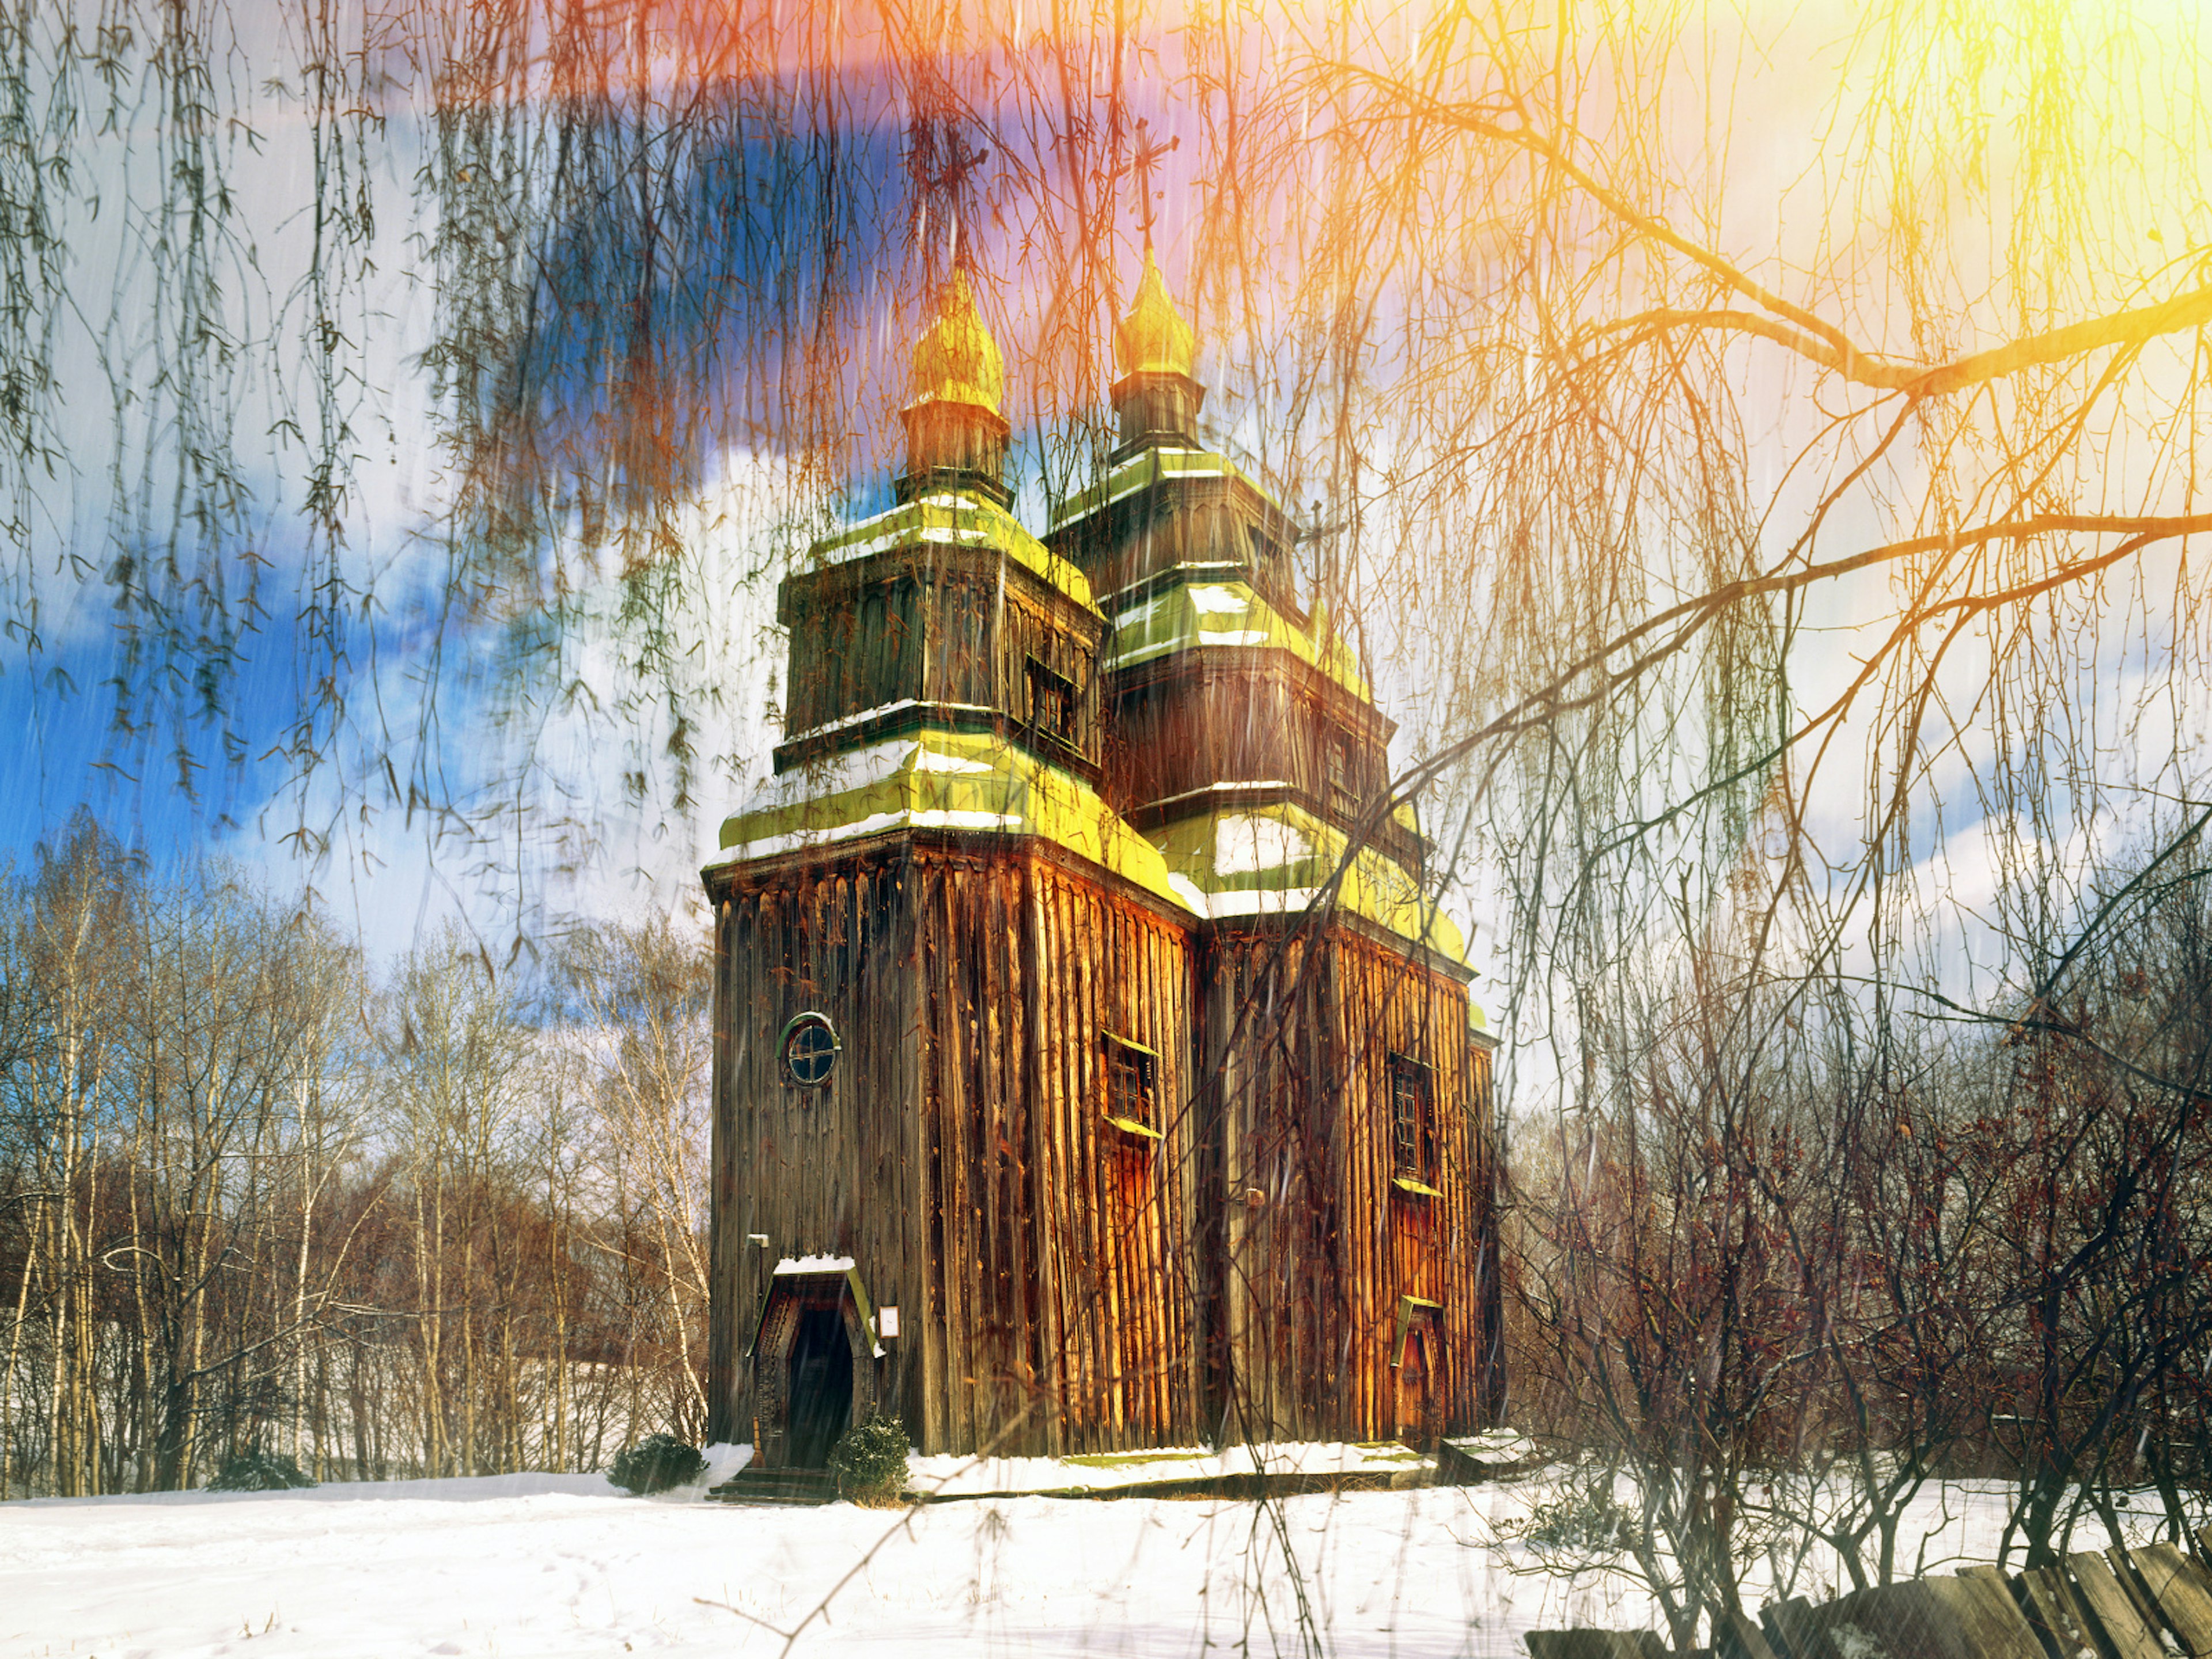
(953, 1473)
(546, 1565)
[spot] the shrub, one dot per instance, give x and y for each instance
(869, 1461)
(256, 1470)
(1589, 1523)
(656, 1463)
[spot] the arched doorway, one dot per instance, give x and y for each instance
(817, 1363)
(1420, 1404)
(819, 1388)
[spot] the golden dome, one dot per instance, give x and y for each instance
(956, 361)
(1153, 338)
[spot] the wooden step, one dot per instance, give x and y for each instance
(789, 1487)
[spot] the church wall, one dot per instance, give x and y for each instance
(859, 646)
(825, 1171)
(960, 1153)
(1045, 625)
(1190, 520)
(1061, 1247)
(1320, 1244)
(961, 660)
(1235, 714)
(900, 629)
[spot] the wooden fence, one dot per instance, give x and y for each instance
(2148, 1603)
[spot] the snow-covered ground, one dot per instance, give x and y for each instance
(967, 1476)
(544, 1564)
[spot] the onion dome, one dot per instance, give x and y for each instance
(1153, 338)
(956, 361)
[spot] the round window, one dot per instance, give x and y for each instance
(810, 1049)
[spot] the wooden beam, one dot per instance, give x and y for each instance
(2182, 1593)
(2108, 1604)
(2066, 1628)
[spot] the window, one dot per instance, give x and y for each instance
(1052, 704)
(1343, 794)
(1412, 1126)
(809, 1049)
(1266, 552)
(1131, 1079)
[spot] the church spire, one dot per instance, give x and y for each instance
(1153, 338)
(1155, 353)
(955, 429)
(955, 360)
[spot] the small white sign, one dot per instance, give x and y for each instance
(886, 1322)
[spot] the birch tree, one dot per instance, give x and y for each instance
(639, 997)
(457, 1057)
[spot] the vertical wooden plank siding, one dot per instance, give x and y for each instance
(724, 1241)
(962, 630)
(960, 1152)
(1066, 1286)
(1311, 1272)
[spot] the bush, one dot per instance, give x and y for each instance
(656, 1463)
(1589, 1523)
(869, 1461)
(255, 1470)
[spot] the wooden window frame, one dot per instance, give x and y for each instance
(1046, 683)
(1343, 753)
(1131, 1110)
(812, 1020)
(1414, 1139)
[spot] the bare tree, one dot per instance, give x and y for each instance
(638, 997)
(1771, 445)
(457, 1057)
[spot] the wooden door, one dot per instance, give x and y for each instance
(1420, 1406)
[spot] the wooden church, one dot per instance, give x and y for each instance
(1091, 1069)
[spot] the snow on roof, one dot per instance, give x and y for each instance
(940, 779)
(814, 1264)
(1178, 613)
(955, 516)
(1147, 468)
(1277, 859)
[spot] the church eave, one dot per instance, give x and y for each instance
(1230, 613)
(946, 519)
(1278, 858)
(912, 716)
(1156, 672)
(1169, 470)
(941, 779)
(1398, 838)
(1279, 922)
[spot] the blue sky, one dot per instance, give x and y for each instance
(546, 758)
(69, 753)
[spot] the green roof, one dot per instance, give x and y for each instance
(1145, 469)
(1274, 859)
(953, 516)
(941, 779)
(1203, 607)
